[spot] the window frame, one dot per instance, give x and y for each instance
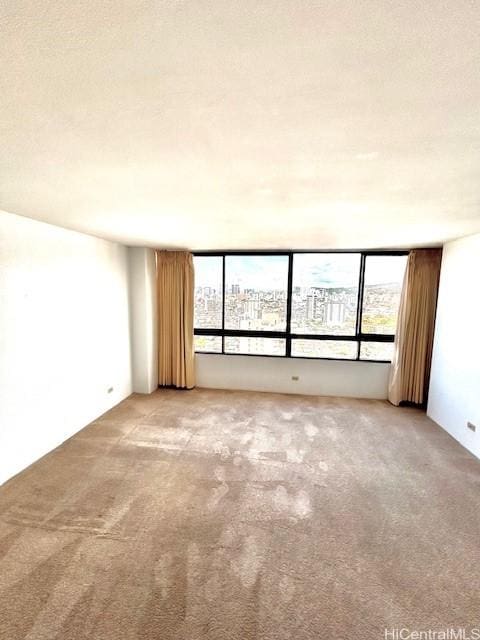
(287, 335)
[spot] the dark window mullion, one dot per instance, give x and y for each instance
(322, 336)
(363, 337)
(253, 333)
(377, 337)
(288, 344)
(361, 284)
(223, 304)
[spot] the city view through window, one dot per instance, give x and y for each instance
(324, 302)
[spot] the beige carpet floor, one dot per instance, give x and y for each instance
(237, 515)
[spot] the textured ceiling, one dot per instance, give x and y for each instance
(253, 124)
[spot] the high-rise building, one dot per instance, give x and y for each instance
(310, 307)
(335, 312)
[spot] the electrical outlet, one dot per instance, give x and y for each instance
(110, 389)
(295, 378)
(471, 426)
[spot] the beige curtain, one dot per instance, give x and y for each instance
(175, 319)
(410, 369)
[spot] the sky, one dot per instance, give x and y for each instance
(309, 270)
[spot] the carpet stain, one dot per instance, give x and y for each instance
(249, 562)
(311, 430)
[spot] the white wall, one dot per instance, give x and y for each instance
(143, 319)
(64, 336)
(316, 377)
(454, 396)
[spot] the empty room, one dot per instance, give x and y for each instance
(239, 317)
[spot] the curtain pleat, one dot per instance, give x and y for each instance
(410, 369)
(175, 282)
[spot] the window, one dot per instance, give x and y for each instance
(325, 293)
(256, 292)
(337, 349)
(381, 293)
(208, 344)
(255, 346)
(208, 311)
(340, 306)
(376, 350)
(208, 292)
